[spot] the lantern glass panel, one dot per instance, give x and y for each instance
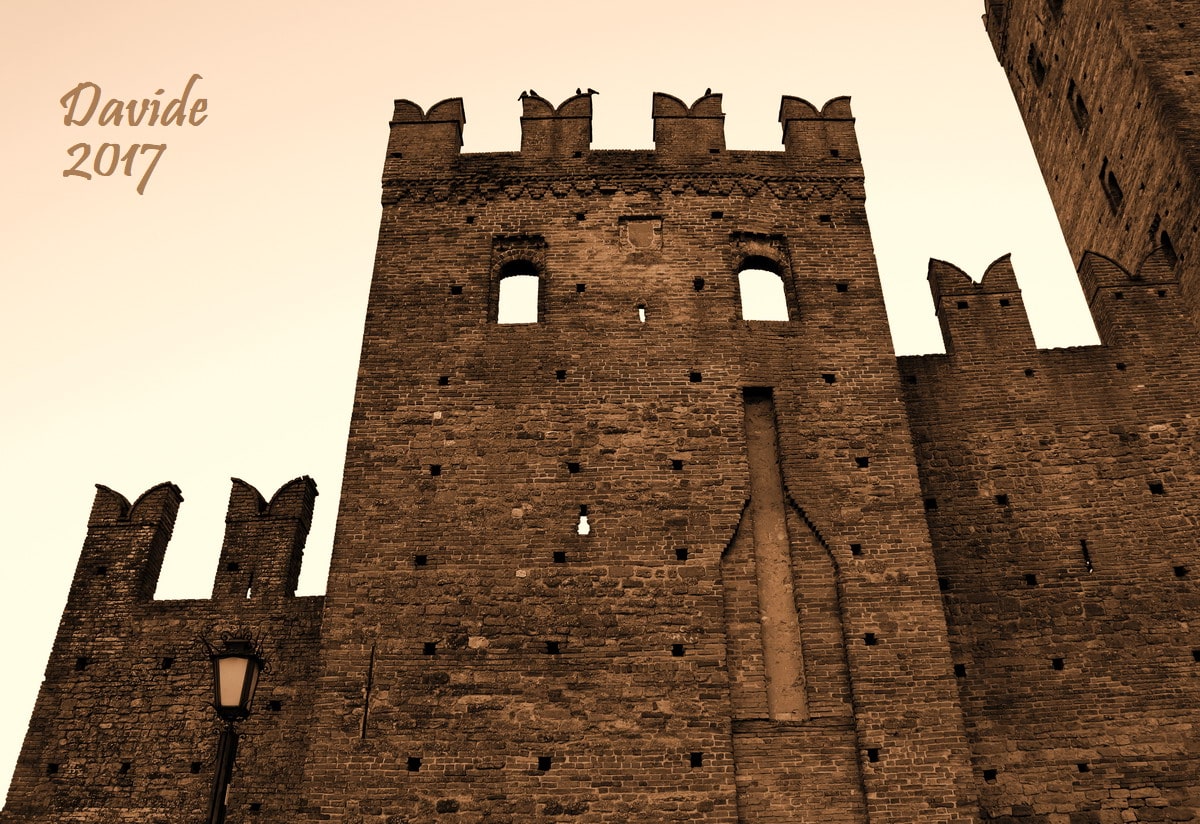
(232, 680)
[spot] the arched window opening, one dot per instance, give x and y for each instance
(762, 292)
(518, 298)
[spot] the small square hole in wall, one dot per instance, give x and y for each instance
(1030, 580)
(51, 769)
(194, 767)
(275, 706)
(233, 566)
(1118, 295)
(1083, 767)
(862, 462)
(580, 287)
(698, 284)
(100, 571)
(414, 763)
(873, 754)
(842, 287)
(1005, 302)
(560, 374)
(435, 469)
(944, 584)
(560, 557)
(1196, 655)
(1058, 663)
(456, 289)
(81, 663)
(1156, 488)
(126, 766)
(166, 663)
(420, 560)
(677, 650)
(696, 759)
(429, 648)
(676, 464)
(835, 153)
(1120, 367)
(552, 648)
(960, 670)
(856, 549)
(825, 218)
(1002, 500)
(1181, 572)
(1029, 373)
(580, 215)
(681, 553)
(718, 215)
(931, 504)
(989, 776)
(962, 304)
(577, 154)
(829, 377)
(443, 380)
(1162, 293)
(869, 639)
(544, 762)
(695, 377)
(256, 806)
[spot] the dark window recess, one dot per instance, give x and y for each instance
(1156, 488)
(856, 549)
(873, 754)
(456, 289)
(960, 670)
(560, 557)
(1078, 108)
(1112, 189)
(414, 763)
(1036, 67)
(420, 560)
(869, 639)
(677, 650)
(1087, 555)
(552, 648)
(1058, 663)
(862, 462)
(544, 762)
(430, 648)
(696, 759)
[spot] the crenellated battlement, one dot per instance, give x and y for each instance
(977, 315)
(421, 142)
(260, 555)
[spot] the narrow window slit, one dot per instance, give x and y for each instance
(1087, 555)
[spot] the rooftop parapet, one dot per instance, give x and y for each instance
(1129, 305)
(683, 131)
(264, 542)
(435, 135)
(812, 136)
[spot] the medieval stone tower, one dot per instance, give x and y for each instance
(615, 547)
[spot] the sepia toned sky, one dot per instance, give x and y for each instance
(209, 327)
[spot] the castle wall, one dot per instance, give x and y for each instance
(485, 661)
(1061, 496)
(123, 729)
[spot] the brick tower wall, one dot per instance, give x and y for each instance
(483, 660)
(1109, 93)
(1062, 500)
(123, 730)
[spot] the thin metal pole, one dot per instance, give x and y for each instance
(226, 752)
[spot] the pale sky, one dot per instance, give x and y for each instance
(210, 326)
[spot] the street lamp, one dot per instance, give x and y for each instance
(236, 668)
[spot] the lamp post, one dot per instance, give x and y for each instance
(236, 668)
